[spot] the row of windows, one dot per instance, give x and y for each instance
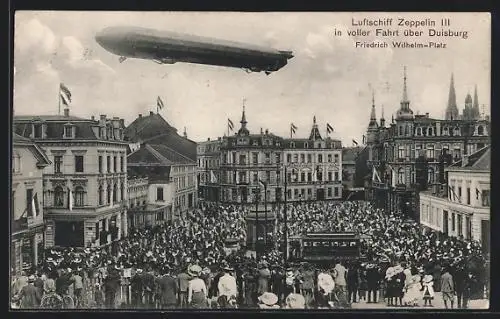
(429, 151)
(431, 215)
(69, 131)
(301, 193)
(79, 164)
(455, 194)
(61, 197)
(183, 182)
(404, 130)
(319, 159)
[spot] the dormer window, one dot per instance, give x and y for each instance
(446, 131)
(456, 131)
(480, 130)
(69, 131)
(430, 131)
(306, 145)
(292, 144)
(278, 143)
(37, 130)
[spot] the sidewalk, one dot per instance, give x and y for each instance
(437, 303)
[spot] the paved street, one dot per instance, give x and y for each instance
(437, 304)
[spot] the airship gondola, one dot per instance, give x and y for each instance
(165, 47)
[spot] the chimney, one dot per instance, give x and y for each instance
(92, 118)
(208, 139)
(140, 115)
(267, 131)
(427, 115)
(66, 112)
(218, 139)
(151, 113)
(122, 123)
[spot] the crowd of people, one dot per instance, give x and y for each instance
(186, 264)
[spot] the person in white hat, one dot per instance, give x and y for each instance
(268, 300)
(295, 301)
(197, 290)
(227, 284)
(326, 285)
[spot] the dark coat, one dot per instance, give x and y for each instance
(372, 278)
(168, 289)
(353, 277)
(30, 297)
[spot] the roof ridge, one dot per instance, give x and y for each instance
(171, 149)
(156, 153)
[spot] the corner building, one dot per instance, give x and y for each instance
(410, 155)
(89, 163)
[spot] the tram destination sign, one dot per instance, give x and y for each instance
(330, 246)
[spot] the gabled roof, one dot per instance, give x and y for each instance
(157, 154)
(154, 129)
(478, 161)
(39, 153)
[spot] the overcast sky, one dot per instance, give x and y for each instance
(328, 77)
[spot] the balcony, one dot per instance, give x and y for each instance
(19, 225)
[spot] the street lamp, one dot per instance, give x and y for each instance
(257, 223)
(265, 210)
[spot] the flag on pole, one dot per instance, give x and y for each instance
(70, 199)
(261, 183)
(354, 142)
(159, 103)
(65, 94)
(293, 129)
(393, 176)
(213, 178)
(230, 124)
(34, 203)
(329, 128)
(364, 139)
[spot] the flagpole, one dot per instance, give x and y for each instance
(59, 94)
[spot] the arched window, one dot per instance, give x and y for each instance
(115, 193)
(430, 175)
(430, 131)
(446, 131)
(456, 131)
(79, 196)
(122, 193)
(400, 130)
(401, 176)
(109, 194)
(101, 195)
(480, 130)
(58, 197)
(406, 129)
(16, 163)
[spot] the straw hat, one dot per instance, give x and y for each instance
(31, 278)
(397, 269)
(427, 278)
(326, 282)
(389, 272)
(295, 301)
(194, 270)
(268, 298)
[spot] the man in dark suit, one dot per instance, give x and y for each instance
(167, 289)
(459, 277)
(148, 284)
(183, 283)
(470, 283)
(352, 283)
(372, 279)
(29, 295)
(137, 289)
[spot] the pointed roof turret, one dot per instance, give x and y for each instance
(243, 130)
(475, 105)
(373, 115)
(452, 109)
(315, 135)
(404, 111)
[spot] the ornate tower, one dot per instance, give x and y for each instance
(452, 110)
(243, 129)
(315, 135)
(382, 119)
(404, 112)
(467, 112)
(475, 106)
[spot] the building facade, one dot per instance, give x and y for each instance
(462, 208)
(314, 167)
(208, 176)
(171, 180)
(85, 188)
(149, 205)
(27, 213)
(407, 154)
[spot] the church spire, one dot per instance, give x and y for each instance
(405, 90)
(373, 115)
(315, 135)
(382, 119)
(475, 105)
(451, 109)
(243, 130)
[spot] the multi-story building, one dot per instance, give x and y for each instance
(462, 208)
(247, 159)
(171, 178)
(314, 167)
(353, 172)
(208, 154)
(150, 204)
(84, 190)
(27, 213)
(406, 154)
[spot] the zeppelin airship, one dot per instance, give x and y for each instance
(166, 47)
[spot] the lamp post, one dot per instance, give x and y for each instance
(257, 222)
(285, 220)
(265, 210)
